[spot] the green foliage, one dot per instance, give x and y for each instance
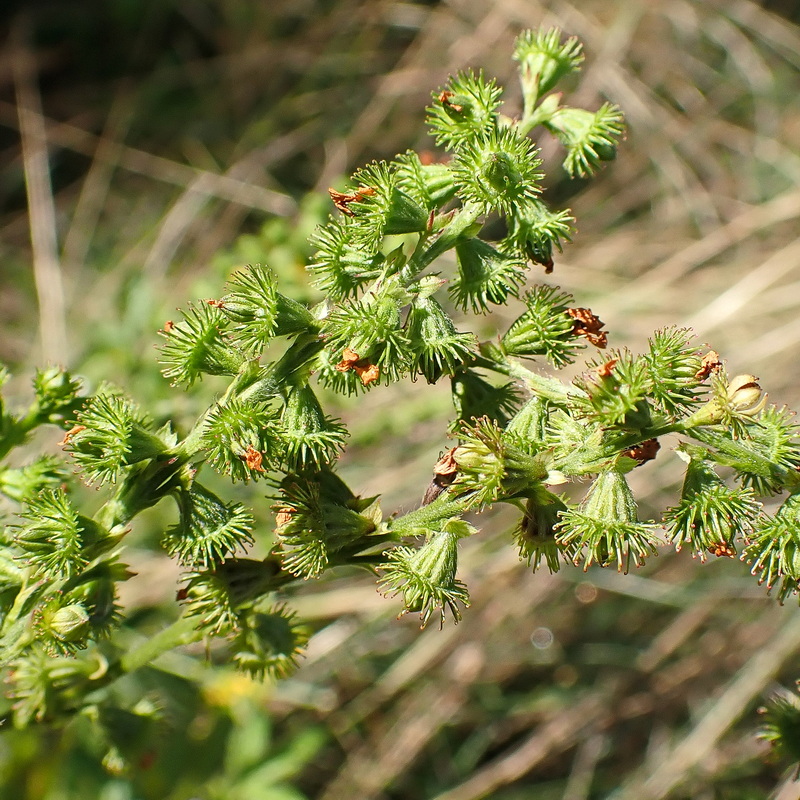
(520, 433)
(544, 59)
(465, 110)
(545, 329)
(209, 530)
(781, 726)
(497, 172)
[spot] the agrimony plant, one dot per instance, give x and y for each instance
(520, 435)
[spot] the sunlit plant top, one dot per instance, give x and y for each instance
(520, 435)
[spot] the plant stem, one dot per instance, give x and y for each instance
(462, 220)
(182, 631)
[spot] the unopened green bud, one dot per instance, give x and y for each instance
(438, 348)
(23, 483)
(485, 275)
(476, 456)
(605, 528)
(500, 171)
(56, 393)
(308, 435)
(404, 215)
(544, 60)
(427, 576)
(438, 183)
(70, 623)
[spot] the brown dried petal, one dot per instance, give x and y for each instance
(70, 433)
(588, 325)
(253, 458)
(349, 359)
(597, 338)
(721, 549)
(446, 465)
(646, 451)
(605, 370)
(444, 473)
(444, 99)
(711, 362)
(342, 200)
(283, 516)
(369, 373)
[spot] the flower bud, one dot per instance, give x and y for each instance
(476, 456)
(404, 215)
(24, 483)
(536, 534)
(309, 436)
(485, 275)
(710, 516)
(56, 393)
(606, 525)
(427, 576)
(544, 60)
(745, 395)
(70, 623)
(269, 643)
(498, 171)
(774, 549)
(529, 426)
(437, 347)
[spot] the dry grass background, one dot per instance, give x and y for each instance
(570, 686)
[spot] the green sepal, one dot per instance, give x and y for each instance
(498, 172)
(321, 523)
(217, 597)
(528, 428)
(544, 329)
(22, 484)
(605, 529)
(464, 110)
(370, 327)
(259, 312)
(485, 276)
(56, 395)
(493, 466)
(55, 539)
(426, 576)
(781, 726)
(112, 434)
(774, 549)
(673, 365)
(269, 642)
(340, 267)
(617, 396)
(474, 397)
(437, 347)
(590, 137)
(199, 345)
(209, 530)
(535, 231)
(535, 536)
(544, 60)
(240, 438)
(710, 516)
(430, 185)
(309, 437)
(46, 688)
(385, 209)
(766, 458)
